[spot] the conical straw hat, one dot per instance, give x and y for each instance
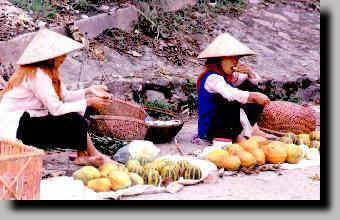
(46, 45)
(226, 45)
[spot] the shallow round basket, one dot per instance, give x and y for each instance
(160, 134)
(122, 128)
(119, 107)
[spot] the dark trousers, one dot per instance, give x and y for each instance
(226, 123)
(65, 131)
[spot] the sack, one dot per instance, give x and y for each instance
(137, 150)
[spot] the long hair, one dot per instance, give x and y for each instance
(211, 65)
(28, 72)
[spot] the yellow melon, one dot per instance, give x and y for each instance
(249, 145)
(107, 168)
(275, 152)
(259, 155)
(216, 156)
(315, 136)
(100, 185)
(150, 165)
(234, 148)
(246, 158)
(231, 162)
(286, 140)
(302, 139)
(260, 140)
(294, 153)
(86, 174)
(136, 179)
(119, 179)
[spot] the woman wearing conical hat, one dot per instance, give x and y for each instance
(37, 109)
(225, 110)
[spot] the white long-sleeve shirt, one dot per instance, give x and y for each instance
(216, 84)
(37, 97)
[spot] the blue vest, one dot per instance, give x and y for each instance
(208, 103)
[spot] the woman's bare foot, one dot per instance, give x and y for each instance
(266, 135)
(107, 159)
(95, 161)
(257, 132)
(240, 138)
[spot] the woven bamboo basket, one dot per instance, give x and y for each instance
(20, 171)
(122, 128)
(280, 117)
(160, 134)
(121, 108)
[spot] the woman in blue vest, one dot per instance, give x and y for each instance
(226, 111)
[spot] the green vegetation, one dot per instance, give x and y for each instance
(159, 104)
(191, 92)
(278, 92)
(39, 7)
(157, 23)
(107, 145)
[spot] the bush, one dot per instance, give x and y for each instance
(39, 7)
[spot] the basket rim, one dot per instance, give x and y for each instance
(160, 110)
(122, 118)
(33, 151)
(167, 126)
(112, 100)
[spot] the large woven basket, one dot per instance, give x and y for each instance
(121, 108)
(163, 134)
(283, 117)
(20, 171)
(122, 128)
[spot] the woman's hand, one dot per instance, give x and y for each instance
(244, 69)
(258, 98)
(94, 101)
(100, 91)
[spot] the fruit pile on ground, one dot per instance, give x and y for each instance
(257, 151)
(115, 177)
(107, 177)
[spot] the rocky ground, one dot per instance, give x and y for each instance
(285, 35)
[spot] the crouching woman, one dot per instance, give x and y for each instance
(36, 107)
(225, 111)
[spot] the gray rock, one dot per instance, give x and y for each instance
(174, 5)
(84, 16)
(152, 96)
(135, 53)
(104, 8)
(264, 23)
(255, 1)
(42, 24)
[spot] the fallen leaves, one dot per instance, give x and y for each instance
(255, 170)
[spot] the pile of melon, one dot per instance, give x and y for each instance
(135, 172)
(257, 151)
(309, 143)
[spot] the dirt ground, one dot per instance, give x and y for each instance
(291, 185)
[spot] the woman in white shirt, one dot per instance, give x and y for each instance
(221, 105)
(36, 107)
